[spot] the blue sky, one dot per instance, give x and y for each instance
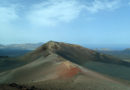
(86, 22)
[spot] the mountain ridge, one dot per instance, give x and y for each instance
(57, 47)
(62, 65)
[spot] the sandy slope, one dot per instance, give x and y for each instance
(47, 69)
(56, 72)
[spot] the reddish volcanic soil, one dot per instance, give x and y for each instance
(67, 70)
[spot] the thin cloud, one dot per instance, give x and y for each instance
(98, 5)
(53, 12)
(129, 3)
(7, 14)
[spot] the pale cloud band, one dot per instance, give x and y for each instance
(98, 5)
(56, 11)
(53, 12)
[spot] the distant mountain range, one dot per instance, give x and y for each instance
(63, 66)
(122, 54)
(21, 49)
(27, 46)
(107, 49)
(18, 49)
